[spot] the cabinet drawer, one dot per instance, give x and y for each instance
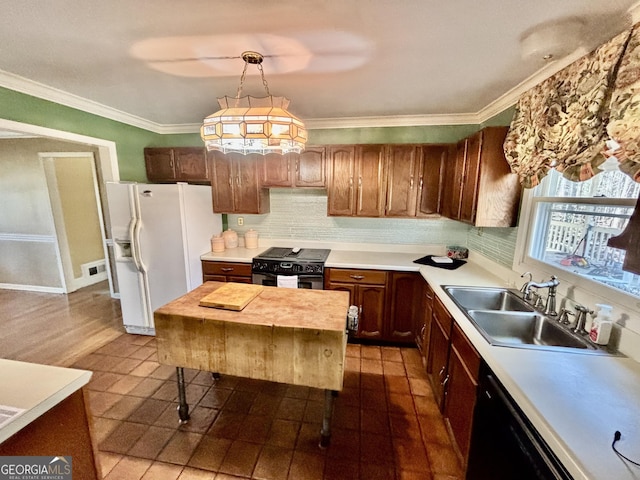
(370, 277)
(226, 268)
(466, 351)
(442, 316)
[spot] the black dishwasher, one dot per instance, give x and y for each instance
(504, 444)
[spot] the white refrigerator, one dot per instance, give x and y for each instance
(159, 232)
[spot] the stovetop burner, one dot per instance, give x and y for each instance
(303, 255)
(284, 261)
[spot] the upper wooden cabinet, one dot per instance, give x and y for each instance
(480, 188)
(404, 165)
(307, 169)
(177, 164)
(235, 183)
(357, 179)
(414, 181)
(453, 179)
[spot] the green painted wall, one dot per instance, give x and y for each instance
(129, 140)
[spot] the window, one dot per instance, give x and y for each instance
(569, 224)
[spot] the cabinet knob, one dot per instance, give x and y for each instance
(227, 269)
(357, 277)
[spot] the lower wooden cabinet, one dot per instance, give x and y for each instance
(463, 372)
(439, 341)
(213, 271)
(453, 368)
(422, 329)
(367, 289)
(406, 287)
(385, 299)
(65, 429)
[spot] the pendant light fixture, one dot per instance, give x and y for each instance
(248, 124)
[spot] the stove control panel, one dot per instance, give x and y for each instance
(284, 267)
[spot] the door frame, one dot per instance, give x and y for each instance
(106, 163)
(67, 277)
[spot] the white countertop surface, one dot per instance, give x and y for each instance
(35, 388)
(576, 401)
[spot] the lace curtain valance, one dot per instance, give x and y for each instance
(565, 121)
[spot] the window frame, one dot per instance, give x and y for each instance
(523, 262)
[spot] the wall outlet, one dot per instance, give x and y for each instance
(240, 221)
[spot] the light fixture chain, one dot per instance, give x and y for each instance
(239, 92)
(264, 81)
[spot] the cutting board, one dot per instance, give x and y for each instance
(232, 296)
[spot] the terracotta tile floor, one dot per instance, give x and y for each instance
(385, 424)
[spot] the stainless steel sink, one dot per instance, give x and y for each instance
(525, 328)
(478, 298)
(505, 319)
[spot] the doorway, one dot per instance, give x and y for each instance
(77, 216)
(104, 168)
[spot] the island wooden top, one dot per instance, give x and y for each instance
(280, 307)
(286, 335)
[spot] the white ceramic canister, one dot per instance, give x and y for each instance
(251, 238)
(230, 239)
(217, 243)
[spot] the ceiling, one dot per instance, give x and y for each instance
(160, 64)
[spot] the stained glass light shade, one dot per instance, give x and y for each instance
(259, 125)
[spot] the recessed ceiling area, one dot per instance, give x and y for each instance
(165, 62)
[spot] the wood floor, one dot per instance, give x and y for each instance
(57, 329)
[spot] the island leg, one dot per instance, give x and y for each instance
(325, 433)
(183, 407)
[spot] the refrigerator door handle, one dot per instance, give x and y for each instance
(133, 225)
(136, 241)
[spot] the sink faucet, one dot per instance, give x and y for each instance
(552, 285)
(582, 319)
(524, 289)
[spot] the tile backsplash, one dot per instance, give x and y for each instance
(302, 214)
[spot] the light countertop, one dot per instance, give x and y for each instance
(576, 401)
(36, 389)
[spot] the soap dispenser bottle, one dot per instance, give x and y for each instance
(602, 325)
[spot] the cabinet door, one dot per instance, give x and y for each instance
(453, 182)
(464, 364)
(191, 164)
(499, 190)
(340, 190)
(423, 322)
(437, 361)
(405, 307)
(249, 197)
(310, 168)
(160, 164)
(403, 167)
(469, 194)
(276, 170)
(222, 183)
(434, 158)
(370, 178)
(371, 301)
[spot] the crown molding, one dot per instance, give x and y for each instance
(390, 121)
(510, 97)
(45, 92)
(36, 89)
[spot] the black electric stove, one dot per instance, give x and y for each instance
(290, 261)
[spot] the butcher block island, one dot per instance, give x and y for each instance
(293, 336)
